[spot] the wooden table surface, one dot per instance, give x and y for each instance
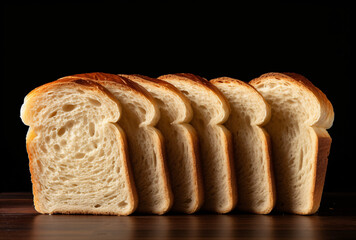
(336, 219)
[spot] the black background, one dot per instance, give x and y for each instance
(41, 42)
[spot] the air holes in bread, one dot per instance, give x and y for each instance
(94, 102)
(53, 114)
(91, 129)
(97, 206)
(122, 204)
(63, 142)
(79, 155)
(95, 145)
(61, 131)
(68, 107)
(56, 147)
(101, 154)
(43, 148)
(69, 124)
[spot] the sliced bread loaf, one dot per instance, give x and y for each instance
(140, 113)
(301, 113)
(77, 152)
(181, 142)
(211, 109)
(251, 143)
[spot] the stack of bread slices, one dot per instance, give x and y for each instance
(117, 144)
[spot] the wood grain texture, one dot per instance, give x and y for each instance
(336, 219)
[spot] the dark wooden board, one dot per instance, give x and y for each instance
(336, 219)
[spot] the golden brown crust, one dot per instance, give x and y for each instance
(29, 138)
(234, 81)
(157, 82)
(165, 173)
(323, 145)
(229, 80)
(99, 76)
(231, 173)
(160, 84)
(202, 82)
(327, 112)
(120, 82)
(128, 170)
(194, 142)
(83, 82)
(323, 140)
(270, 173)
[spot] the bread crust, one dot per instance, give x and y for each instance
(165, 174)
(229, 80)
(165, 86)
(191, 136)
(326, 116)
(231, 173)
(120, 81)
(323, 145)
(27, 119)
(194, 141)
(270, 173)
(201, 82)
(323, 121)
(29, 138)
(194, 79)
(100, 76)
(264, 138)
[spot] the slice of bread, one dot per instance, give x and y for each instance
(77, 152)
(301, 113)
(181, 142)
(211, 110)
(140, 115)
(249, 112)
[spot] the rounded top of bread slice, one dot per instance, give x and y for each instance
(72, 138)
(215, 99)
(260, 112)
(179, 100)
(151, 111)
(31, 115)
(319, 111)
